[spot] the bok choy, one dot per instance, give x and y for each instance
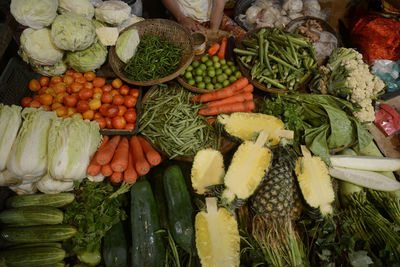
(10, 120)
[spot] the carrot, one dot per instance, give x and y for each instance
(105, 155)
(106, 170)
(141, 165)
(213, 49)
(228, 108)
(231, 100)
(130, 175)
(222, 93)
(152, 156)
(222, 50)
(116, 177)
(247, 89)
(119, 162)
(211, 120)
(94, 168)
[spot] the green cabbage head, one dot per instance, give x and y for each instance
(35, 14)
(89, 59)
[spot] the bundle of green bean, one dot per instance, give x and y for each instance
(155, 58)
(171, 122)
(278, 59)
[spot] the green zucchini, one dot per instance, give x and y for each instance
(32, 245)
(58, 264)
(156, 179)
(180, 210)
(35, 234)
(147, 243)
(34, 215)
(51, 200)
(115, 248)
(32, 257)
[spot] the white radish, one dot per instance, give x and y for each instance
(366, 163)
(366, 179)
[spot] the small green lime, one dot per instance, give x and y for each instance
(217, 86)
(182, 74)
(195, 63)
(211, 73)
(225, 76)
(210, 86)
(217, 65)
(188, 75)
(232, 79)
(214, 80)
(211, 68)
(209, 63)
(230, 63)
(204, 59)
(198, 72)
(234, 68)
(207, 79)
(224, 67)
(218, 71)
(198, 79)
(201, 85)
(220, 78)
(226, 83)
(190, 68)
(191, 82)
(215, 59)
(238, 74)
(228, 71)
(203, 66)
(222, 61)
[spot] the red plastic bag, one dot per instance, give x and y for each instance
(387, 119)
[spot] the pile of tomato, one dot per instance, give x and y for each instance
(86, 96)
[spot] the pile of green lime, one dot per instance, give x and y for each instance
(211, 73)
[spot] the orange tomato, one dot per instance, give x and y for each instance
(26, 101)
(94, 104)
(114, 92)
(116, 83)
(97, 115)
(69, 72)
(77, 75)
(76, 87)
(34, 85)
(50, 91)
(106, 98)
(134, 92)
(61, 111)
(102, 122)
(107, 88)
(71, 111)
(99, 82)
(81, 80)
(108, 123)
(44, 81)
(55, 79)
(82, 106)
(46, 99)
(97, 95)
(130, 101)
(103, 109)
(118, 100)
(77, 115)
(97, 90)
(90, 75)
(35, 104)
(70, 100)
(112, 111)
(130, 115)
(121, 110)
(46, 108)
(88, 85)
(68, 79)
(118, 122)
(36, 97)
(130, 126)
(60, 87)
(60, 97)
(56, 105)
(124, 90)
(88, 115)
(42, 90)
(85, 93)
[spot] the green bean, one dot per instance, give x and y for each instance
(261, 46)
(266, 44)
(275, 83)
(244, 52)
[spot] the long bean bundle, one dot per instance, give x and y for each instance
(171, 122)
(155, 58)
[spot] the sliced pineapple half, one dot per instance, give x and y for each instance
(207, 169)
(243, 125)
(217, 236)
(315, 182)
(249, 165)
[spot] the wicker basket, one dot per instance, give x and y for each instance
(213, 36)
(167, 29)
(226, 144)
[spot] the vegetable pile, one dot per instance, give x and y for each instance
(170, 121)
(155, 58)
(85, 96)
(278, 59)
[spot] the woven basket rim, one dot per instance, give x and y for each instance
(187, 57)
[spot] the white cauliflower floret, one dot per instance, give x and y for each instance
(367, 113)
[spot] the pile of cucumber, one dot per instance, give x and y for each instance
(32, 230)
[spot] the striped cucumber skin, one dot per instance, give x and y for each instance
(51, 200)
(35, 234)
(32, 257)
(32, 245)
(28, 216)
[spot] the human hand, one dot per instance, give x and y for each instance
(189, 24)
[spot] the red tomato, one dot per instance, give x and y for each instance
(130, 126)
(106, 98)
(116, 83)
(61, 111)
(26, 101)
(60, 87)
(103, 109)
(85, 93)
(46, 99)
(97, 90)
(56, 79)
(70, 72)
(134, 92)
(76, 87)
(90, 75)
(97, 95)
(60, 97)
(112, 111)
(130, 101)
(56, 106)
(97, 115)
(36, 97)
(114, 92)
(81, 80)
(101, 122)
(99, 82)
(118, 100)
(88, 115)
(130, 115)
(109, 123)
(68, 79)
(118, 122)
(34, 85)
(70, 100)
(44, 81)
(77, 75)
(106, 88)
(35, 104)
(82, 106)
(71, 111)
(124, 90)
(42, 90)
(121, 110)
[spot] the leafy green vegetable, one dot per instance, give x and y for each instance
(98, 206)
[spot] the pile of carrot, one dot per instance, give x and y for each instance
(123, 160)
(218, 49)
(237, 97)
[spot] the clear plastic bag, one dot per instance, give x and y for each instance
(389, 72)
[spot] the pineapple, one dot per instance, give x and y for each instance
(217, 236)
(249, 165)
(207, 170)
(278, 196)
(315, 182)
(243, 125)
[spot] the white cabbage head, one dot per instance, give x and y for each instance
(113, 12)
(79, 7)
(35, 14)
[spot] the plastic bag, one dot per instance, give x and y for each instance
(389, 72)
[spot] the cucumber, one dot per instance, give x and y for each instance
(115, 248)
(35, 234)
(32, 257)
(180, 210)
(34, 215)
(147, 244)
(156, 179)
(53, 200)
(32, 245)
